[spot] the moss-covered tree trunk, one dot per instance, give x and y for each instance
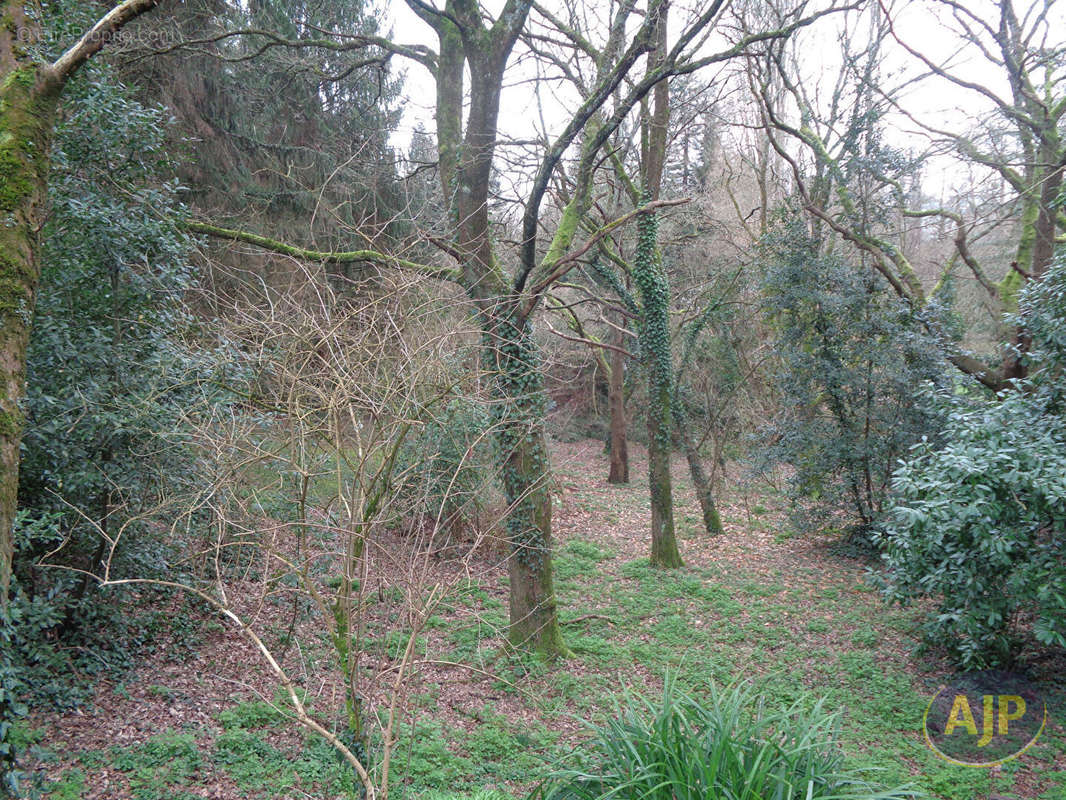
(616, 406)
(712, 523)
(28, 98)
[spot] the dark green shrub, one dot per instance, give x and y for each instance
(729, 745)
(851, 356)
(979, 522)
(67, 633)
(12, 708)
(108, 384)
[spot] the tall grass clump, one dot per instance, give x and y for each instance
(727, 746)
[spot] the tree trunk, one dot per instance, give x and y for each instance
(514, 360)
(650, 278)
(712, 523)
(655, 350)
(616, 403)
(28, 100)
(508, 350)
(534, 620)
(664, 551)
(1039, 247)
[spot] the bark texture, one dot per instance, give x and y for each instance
(28, 100)
(616, 406)
(650, 278)
(712, 523)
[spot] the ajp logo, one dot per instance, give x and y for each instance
(984, 718)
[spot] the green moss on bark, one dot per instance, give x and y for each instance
(27, 114)
(512, 358)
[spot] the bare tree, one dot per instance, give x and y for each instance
(310, 504)
(1019, 140)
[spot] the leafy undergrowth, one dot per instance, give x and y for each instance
(788, 615)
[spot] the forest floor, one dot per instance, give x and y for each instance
(795, 615)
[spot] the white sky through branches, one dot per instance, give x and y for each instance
(532, 103)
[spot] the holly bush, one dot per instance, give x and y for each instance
(978, 522)
(849, 358)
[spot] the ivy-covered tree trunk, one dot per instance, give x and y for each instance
(616, 405)
(650, 278)
(28, 99)
(533, 614)
(513, 361)
(509, 352)
(651, 282)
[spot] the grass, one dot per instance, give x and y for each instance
(249, 715)
(708, 629)
(717, 628)
(723, 743)
(169, 764)
(71, 786)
